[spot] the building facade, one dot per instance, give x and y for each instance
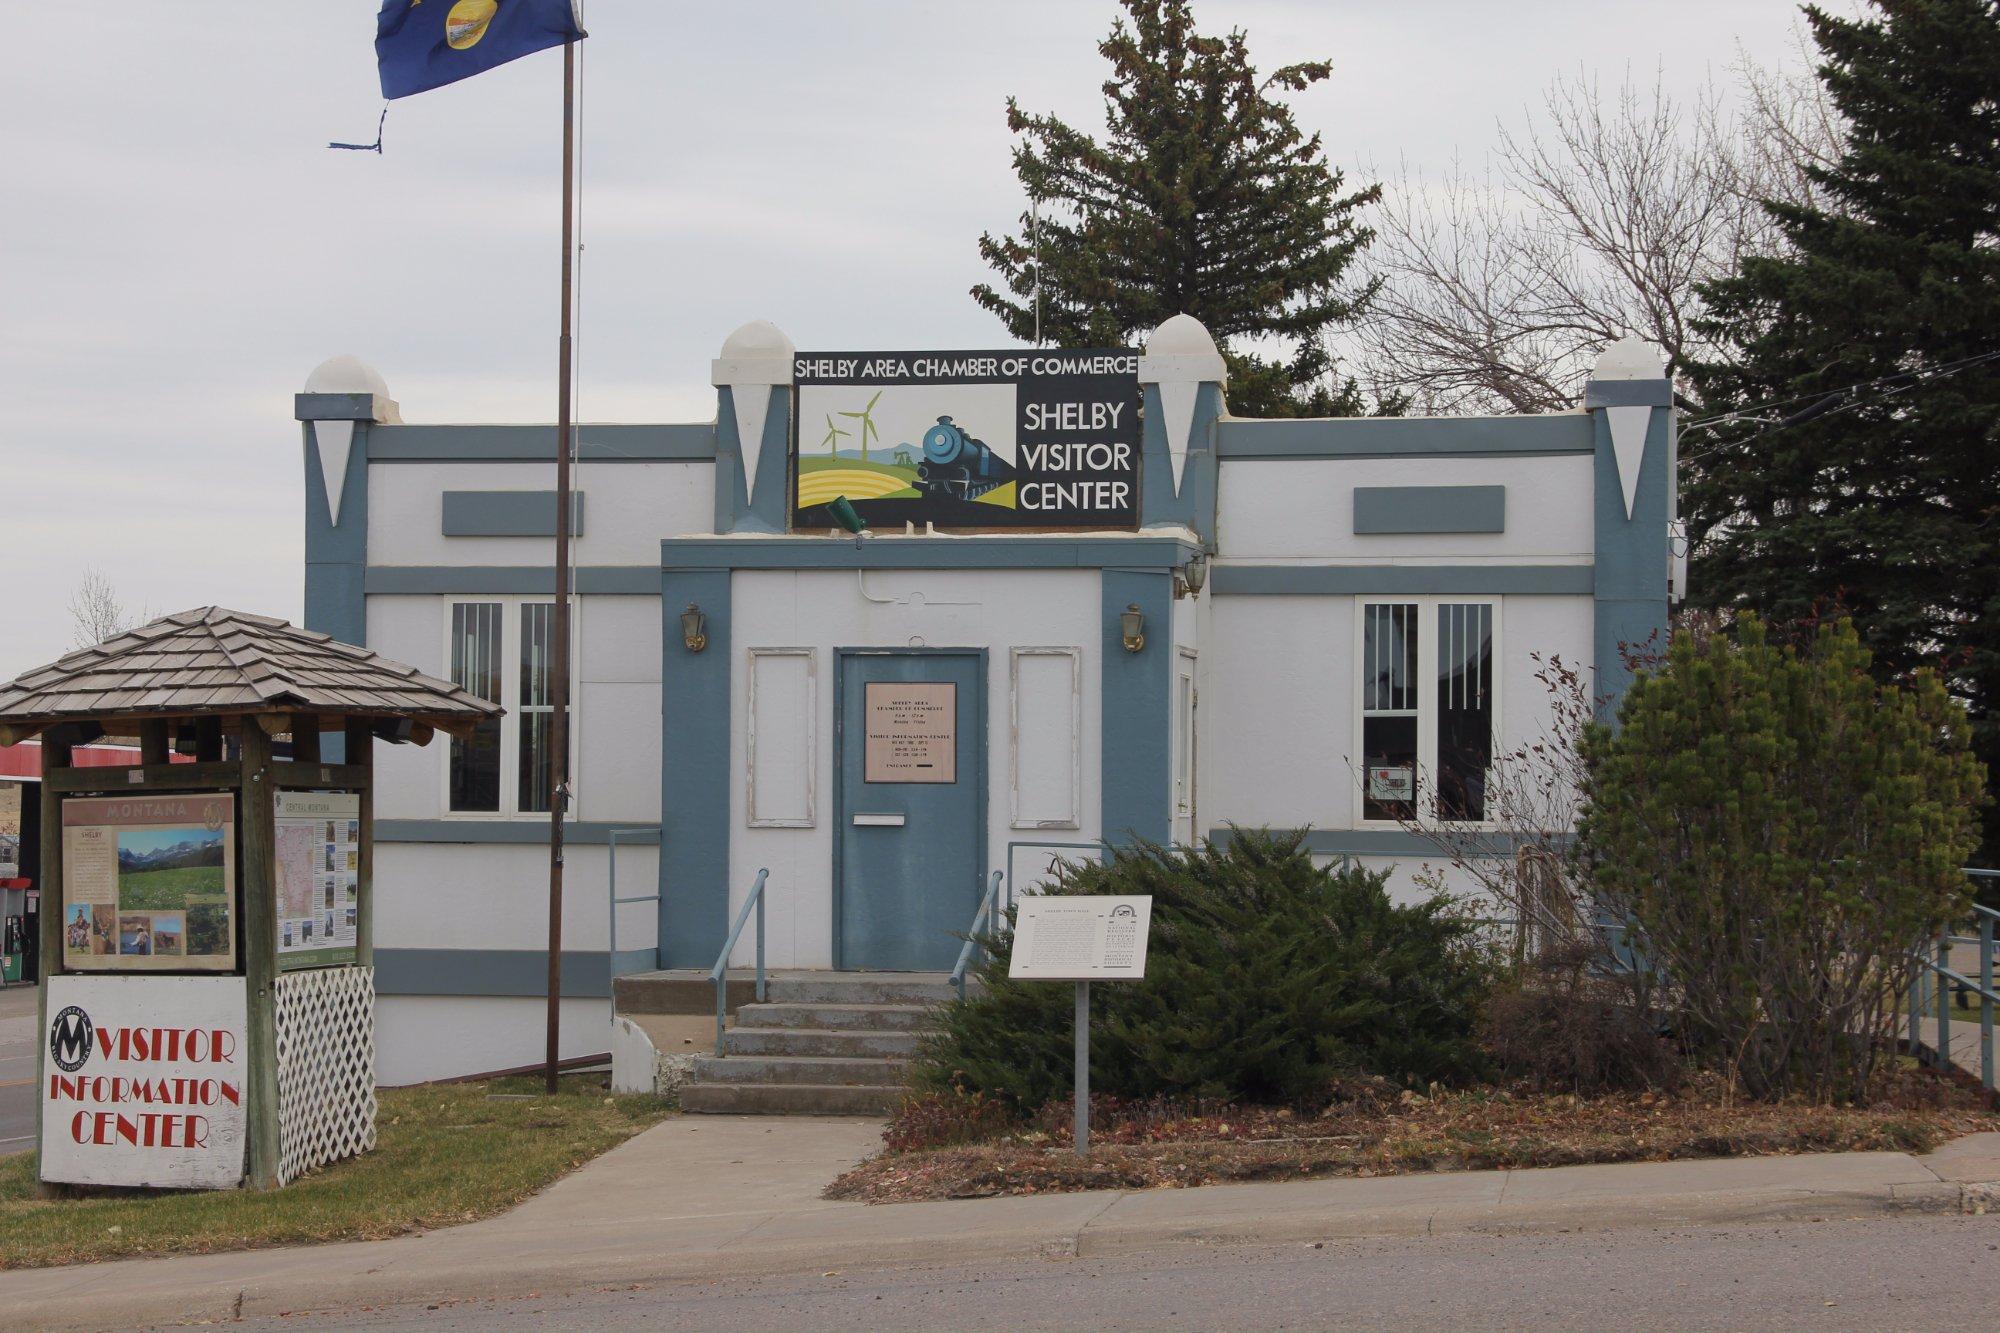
(1323, 624)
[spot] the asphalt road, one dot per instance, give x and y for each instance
(1917, 1272)
(17, 1069)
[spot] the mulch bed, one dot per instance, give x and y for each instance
(1374, 1131)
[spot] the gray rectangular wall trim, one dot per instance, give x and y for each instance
(1375, 842)
(1403, 580)
(926, 553)
(420, 580)
(595, 443)
(1402, 437)
(507, 514)
(1429, 509)
(524, 832)
(586, 974)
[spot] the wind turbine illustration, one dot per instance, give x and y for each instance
(868, 431)
(834, 435)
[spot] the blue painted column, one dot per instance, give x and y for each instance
(694, 771)
(753, 430)
(1136, 709)
(1631, 407)
(1182, 376)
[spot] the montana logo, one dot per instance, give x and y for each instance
(71, 1036)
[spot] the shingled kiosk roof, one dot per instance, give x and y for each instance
(213, 662)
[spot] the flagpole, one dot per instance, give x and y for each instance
(559, 649)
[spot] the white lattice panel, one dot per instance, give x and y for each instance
(326, 1067)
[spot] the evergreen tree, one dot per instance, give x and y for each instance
(1882, 501)
(1205, 198)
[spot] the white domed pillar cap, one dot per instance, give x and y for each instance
(1630, 358)
(755, 359)
(1180, 357)
(332, 423)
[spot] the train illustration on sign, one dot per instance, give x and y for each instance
(957, 465)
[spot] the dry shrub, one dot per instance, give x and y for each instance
(945, 1119)
(1562, 1028)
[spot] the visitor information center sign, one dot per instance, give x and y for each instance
(143, 1082)
(1027, 438)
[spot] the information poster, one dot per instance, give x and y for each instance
(1098, 937)
(10, 830)
(149, 883)
(318, 877)
(143, 1082)
(912, 731)
(1024, 438)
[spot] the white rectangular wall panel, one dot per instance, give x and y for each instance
(1047, 730)
(782, 732)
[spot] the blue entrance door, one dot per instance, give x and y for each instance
(909, 845)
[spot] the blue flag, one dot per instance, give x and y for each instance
(425, 44)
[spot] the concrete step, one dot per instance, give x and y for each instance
(787, 1099)
(840, 1071)
(821, 1042)
(897, 988)
(856, 1017)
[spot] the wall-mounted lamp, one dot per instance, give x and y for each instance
(694, 628)
(1132, 626)
(1189, 578)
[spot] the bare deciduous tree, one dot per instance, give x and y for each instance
(96, 611)
(1601, 216)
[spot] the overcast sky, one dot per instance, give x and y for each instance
(178, 248)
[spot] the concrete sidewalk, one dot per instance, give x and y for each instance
(711, 1196)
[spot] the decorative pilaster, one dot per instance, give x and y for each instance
(753, 381)
(1631, 406)
(1182, 376)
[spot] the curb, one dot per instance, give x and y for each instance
(440, 1281)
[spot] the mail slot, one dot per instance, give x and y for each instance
(879, 821)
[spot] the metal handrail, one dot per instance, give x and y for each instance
(984, 915)
(719, 974)
(1099, 846)
(611, 839)
(1934, 975)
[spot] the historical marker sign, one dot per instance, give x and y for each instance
(1081, 938)
(1034, 438)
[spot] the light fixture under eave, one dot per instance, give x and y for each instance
(694, 628)
(1189, 578)
(1132, 628)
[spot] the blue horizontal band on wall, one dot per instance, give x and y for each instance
(522, 832)
(596, 443)
(1401, 580)
(1628, 393)
(1385, 842)
(1041, 552)
(586, 974)
(337, 406)
(507, 514)
(418, 580)
(1429, 509)
(1404, 437)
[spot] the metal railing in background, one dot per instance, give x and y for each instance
(611, 839)
(719, 974)
(1935, 979)
(983, 921)
(1098, 847)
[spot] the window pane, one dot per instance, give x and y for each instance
(1389, 711)
(1465, 708)
(475, 668)
(536, 707)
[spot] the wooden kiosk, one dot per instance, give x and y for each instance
(207, 999)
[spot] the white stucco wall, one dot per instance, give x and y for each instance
(995, 610)
(496, 896)
(420, 1037)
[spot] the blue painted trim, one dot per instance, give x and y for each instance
(334, 406)
(1429, 509)
(695, 820)
(498, 580)
(1628, 393)
(1194, 506)
(585, 973)
(1403, 437)
(1632, 557)
(507, 514)
(1136, 710)
(1411, 580)
(595, 443)
(927, 553)
(734, 510)
(526, 832)
(1376, 842)
(337, 556)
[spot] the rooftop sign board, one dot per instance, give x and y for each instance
(1035, 438)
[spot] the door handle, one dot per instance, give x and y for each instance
(879, 820)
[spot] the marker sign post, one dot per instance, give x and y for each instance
(1081, 939)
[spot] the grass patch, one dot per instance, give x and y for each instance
(1374, 1131)
(164, 890)
(446, 1154)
